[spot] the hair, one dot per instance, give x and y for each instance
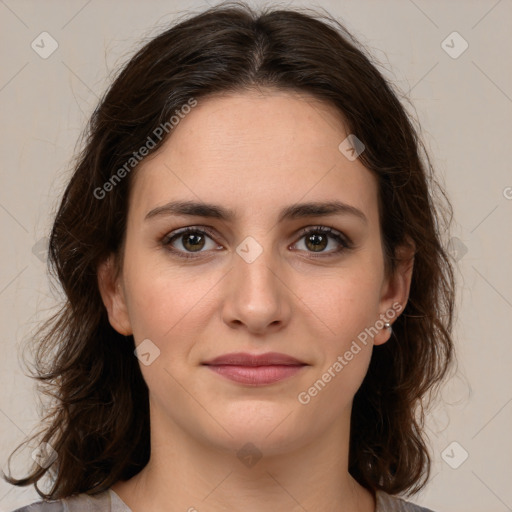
(98, 421)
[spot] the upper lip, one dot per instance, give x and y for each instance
(245, 359)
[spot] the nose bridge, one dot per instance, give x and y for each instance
(255, 296)
(256, 265)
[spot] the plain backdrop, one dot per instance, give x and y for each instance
(462, 98)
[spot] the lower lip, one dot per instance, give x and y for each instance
(256, 375)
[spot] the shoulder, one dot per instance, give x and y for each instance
(388, 503)
(43, 506)
(78, 503)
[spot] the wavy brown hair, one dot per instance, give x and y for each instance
(98, 418)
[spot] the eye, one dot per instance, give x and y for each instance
(191, 240)
(187, 241)
(316, 240)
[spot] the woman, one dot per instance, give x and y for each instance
(258, 299)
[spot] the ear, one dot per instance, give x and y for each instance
(395, 290)
(112, 293)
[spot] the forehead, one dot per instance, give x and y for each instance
(255, 150)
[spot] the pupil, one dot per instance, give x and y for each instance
(320, 242)
(196, 239)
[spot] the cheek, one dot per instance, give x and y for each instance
(167, 303)
(348, 311)
(346, 303)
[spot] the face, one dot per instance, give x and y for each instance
(255, 274)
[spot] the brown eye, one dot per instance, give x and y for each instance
(317, 239)
(187, 241)
(193, 241)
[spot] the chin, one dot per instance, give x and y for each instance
(261, 427)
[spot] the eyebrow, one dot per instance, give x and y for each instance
(294, 211)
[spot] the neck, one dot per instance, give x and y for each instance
(189, 474)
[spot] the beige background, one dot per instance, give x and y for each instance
(464, 105)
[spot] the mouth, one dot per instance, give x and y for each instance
(255, 369)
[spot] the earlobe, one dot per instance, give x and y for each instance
(395, 290)
(113, 297)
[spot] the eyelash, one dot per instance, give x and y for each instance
(345, 242)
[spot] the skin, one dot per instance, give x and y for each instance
(255, 152)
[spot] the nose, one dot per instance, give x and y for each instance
(256, 296)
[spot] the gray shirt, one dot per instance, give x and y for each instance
(109, 501)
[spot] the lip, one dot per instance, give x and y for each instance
(255, 369)
(246, 359)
